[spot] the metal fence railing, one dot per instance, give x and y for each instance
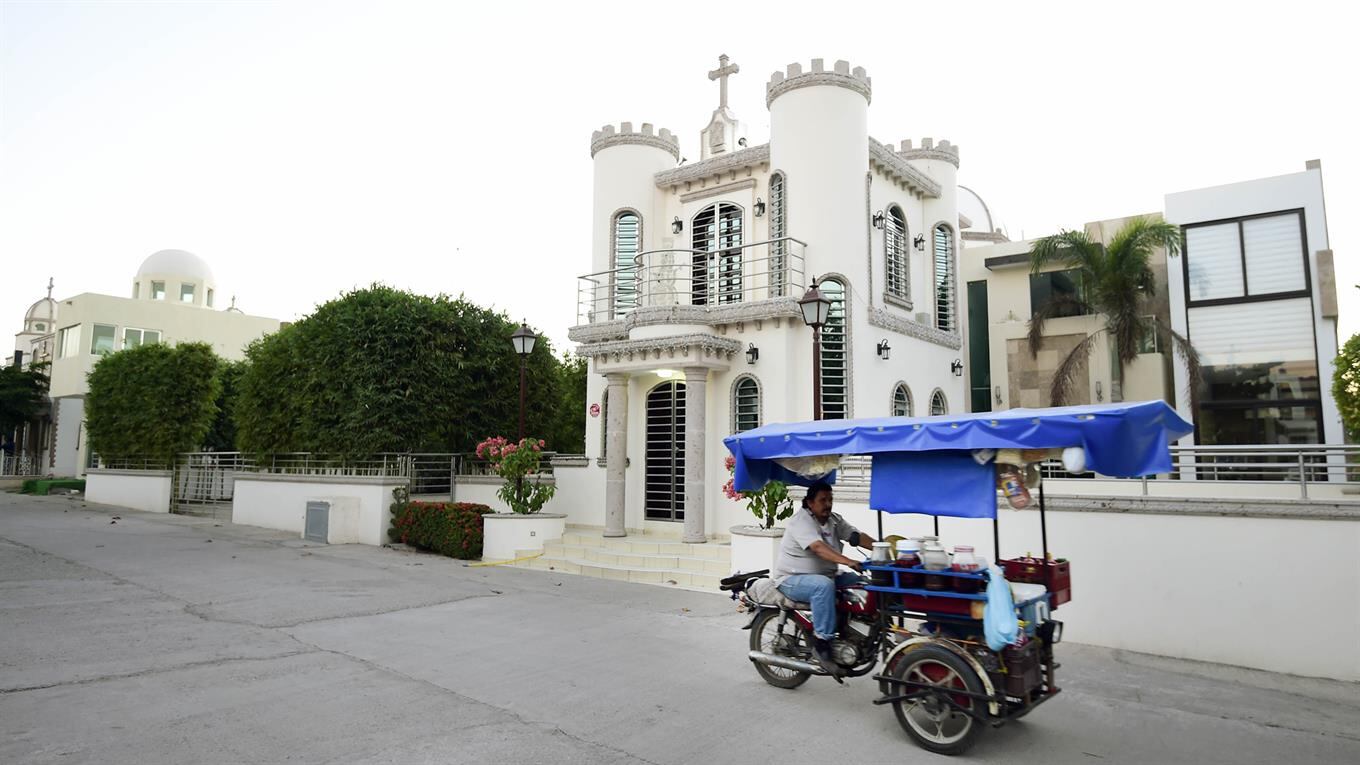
(1302, 466)
(15, 465)
(687, 277)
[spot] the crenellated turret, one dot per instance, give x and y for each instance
(626, 162)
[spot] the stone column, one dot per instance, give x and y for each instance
(696, 397)
(616, 453)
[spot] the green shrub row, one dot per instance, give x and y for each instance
(448, 528)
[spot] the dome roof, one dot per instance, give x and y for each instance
(178, 263)
(43, 310)
(974, 209)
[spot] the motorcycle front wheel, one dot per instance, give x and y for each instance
(792, 641)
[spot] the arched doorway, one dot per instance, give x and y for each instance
(665, 456)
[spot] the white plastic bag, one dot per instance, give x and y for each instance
(999, 624)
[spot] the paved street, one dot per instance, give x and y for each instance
(169, 639)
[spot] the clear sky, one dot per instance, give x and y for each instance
(304, 148)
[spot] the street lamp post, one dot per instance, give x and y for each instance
(523, 339)
(815, 307)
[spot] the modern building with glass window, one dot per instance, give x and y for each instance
(690, 312)
(1253, 290)
(173, 299)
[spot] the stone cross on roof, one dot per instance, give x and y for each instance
(723, 71)
(50, 284)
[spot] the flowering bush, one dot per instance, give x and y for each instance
(770, 504)
(1346, 386)
(448, 528)
(519, 464)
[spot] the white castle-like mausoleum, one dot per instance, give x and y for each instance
(690, 315)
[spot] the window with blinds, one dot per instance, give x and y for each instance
(627, 243)
(1246, 258)
(716, 241)
(938, 405)
(835, 354)
(944, 279)
(895, 262)
(745, 404)
(901, 401)
(779, 228)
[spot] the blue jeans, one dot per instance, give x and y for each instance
(820, 591)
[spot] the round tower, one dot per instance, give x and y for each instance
(626, 163)
(819, 139)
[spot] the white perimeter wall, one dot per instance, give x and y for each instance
(146, 490)
(579, 496)
(361, 507)
(1278, 594)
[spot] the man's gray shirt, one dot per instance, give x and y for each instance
(802, 531)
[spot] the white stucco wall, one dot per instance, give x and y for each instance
(506, 537)
(145, 490)
(1209, 588)
(361, 506)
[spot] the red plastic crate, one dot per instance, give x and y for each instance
(1055, 575)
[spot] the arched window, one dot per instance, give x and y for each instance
(835, 354)
(779, 228)
(895, 262)
(715, 236)
(944, 278)
(626, 242)
(745, 404)
(901, 401)
(938, 405)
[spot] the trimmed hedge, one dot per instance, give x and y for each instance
(43, 486)
(448, 528)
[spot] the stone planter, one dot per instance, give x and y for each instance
(505, 535)
(754, 548)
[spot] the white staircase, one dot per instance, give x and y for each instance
(645, 558)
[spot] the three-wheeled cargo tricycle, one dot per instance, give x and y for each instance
(918, 621)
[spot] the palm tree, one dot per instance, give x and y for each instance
(1118, 283)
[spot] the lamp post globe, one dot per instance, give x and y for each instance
(523, 340)
(816, 307)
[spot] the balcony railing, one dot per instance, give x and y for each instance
(680, 277)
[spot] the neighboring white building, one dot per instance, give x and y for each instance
(173, 300)
(1256, 294)
(690, 315)
(1254, 291)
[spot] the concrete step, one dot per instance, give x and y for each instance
(648, 561)
(647, 544)
(690, 580)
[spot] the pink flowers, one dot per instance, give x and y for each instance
(730, 462)
(497, 448)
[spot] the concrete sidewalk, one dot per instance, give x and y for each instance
(170, 639)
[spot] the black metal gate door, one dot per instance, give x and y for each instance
(665, 471)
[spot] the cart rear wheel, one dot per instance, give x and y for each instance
(934, 721)
(792, 641)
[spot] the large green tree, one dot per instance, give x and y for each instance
(22, 393)
(384, 370)
(568, 433)
(1118, 284)
(222, 435)
(154, 401)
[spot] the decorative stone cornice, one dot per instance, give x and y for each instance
(943, 151)
(715, 166)
(901, 170)
(589, 335)
(841, 76)
(882, 319)
(608, 136)
(708, 345)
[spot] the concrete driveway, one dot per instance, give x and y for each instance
(169, 639)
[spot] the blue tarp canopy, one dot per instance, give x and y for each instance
(925, 464)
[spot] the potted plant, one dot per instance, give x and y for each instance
(755, 546)
(525, 491)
